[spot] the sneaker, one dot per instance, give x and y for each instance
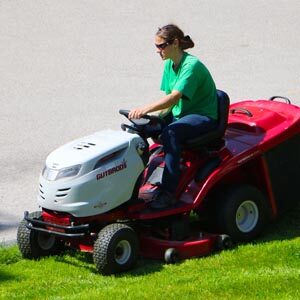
(162, 199)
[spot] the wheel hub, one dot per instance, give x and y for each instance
(46, 241)
(247, 216)
(122, 252)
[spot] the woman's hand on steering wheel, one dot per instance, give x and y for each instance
(137, 113)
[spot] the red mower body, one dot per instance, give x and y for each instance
(260, 149)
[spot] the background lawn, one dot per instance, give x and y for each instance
(268, 268)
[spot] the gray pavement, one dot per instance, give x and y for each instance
(67, 66)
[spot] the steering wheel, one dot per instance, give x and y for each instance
(140, 124)
(144, 120)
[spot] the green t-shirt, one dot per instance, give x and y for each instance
(194, 81)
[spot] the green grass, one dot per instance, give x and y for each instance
(269, 268)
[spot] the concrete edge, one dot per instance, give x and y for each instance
(8, 243)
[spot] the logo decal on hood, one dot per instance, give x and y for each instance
(113, 170)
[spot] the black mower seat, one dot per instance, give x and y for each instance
(212, 139)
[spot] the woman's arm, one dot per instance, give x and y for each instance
(165, 102)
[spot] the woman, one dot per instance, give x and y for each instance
(190, 95)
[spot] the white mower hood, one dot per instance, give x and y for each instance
(80, 151)
(81, 177)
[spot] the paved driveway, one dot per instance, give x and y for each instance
(66, 67)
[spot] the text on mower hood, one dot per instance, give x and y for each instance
(112, 170)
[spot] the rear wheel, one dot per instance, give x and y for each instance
(241, 212)
(116, 249)
(34, 244)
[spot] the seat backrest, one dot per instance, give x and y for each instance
(214, 136)
(223, 111)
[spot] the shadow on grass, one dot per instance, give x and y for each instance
(85, 260)
(286, 227)
(143, 267)
(77, 259)
(4, 276)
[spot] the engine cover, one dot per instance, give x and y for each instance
(108, 164)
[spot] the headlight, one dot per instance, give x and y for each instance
(52, 174)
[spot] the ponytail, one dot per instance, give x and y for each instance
(186, 42)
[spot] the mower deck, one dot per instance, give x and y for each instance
(196, 246)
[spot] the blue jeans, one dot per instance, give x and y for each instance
(173, 135)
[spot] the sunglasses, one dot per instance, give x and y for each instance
(163, 45)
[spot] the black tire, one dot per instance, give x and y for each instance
(241, 212)
(33, 244)
(116, 249)
(224, 242)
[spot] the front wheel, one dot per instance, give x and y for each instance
(116, 249)
(33, 244)
(242, 212)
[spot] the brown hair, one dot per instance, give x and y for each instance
(171, 32)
